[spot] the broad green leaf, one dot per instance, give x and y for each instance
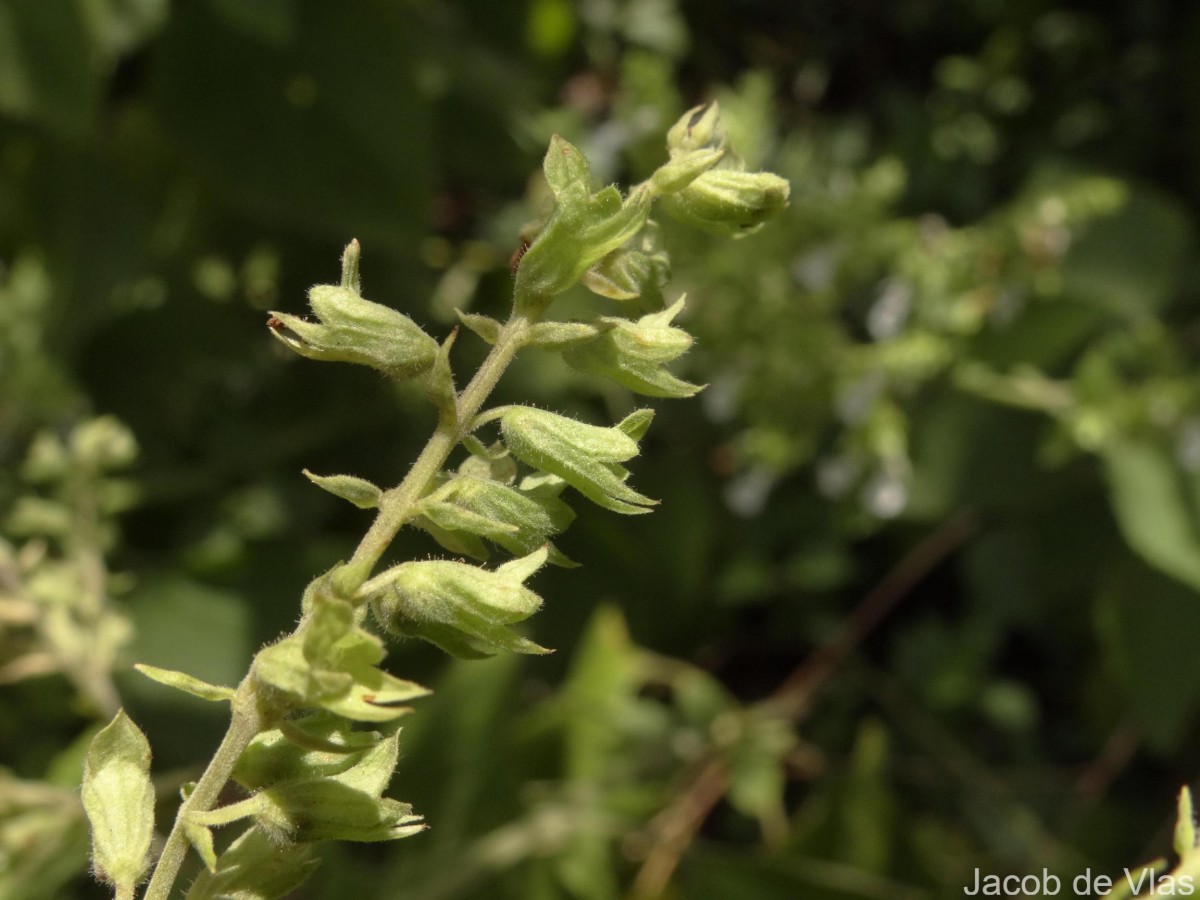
(1148, 495)
(119, 800)
(186, 683)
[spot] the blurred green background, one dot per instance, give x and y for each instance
(923, 594)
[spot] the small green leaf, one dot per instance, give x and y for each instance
(255, 867)
(637, 423)
(439, 382)
(695, 129)
(1185, 825)
(685, 168)
(582, 229)
(119, 800)
(331, 663)
(493, 463)
(565, 167)
(186, 683)
(485, 327)
(504, 515)
(201, 838)
(561, 335)
(358, 491)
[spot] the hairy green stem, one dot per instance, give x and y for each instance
(395, 509)
(244, 724)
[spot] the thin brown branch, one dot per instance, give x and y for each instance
(795, 694)
(677, 825)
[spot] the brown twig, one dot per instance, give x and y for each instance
(795, 694)
(677, 825)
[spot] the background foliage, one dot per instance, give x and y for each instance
(924, 590)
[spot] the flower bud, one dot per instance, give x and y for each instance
(457, 606)
(727, 202)
(586, 457)
(352, 329)
(583, 228)
(695, 129)
(633, 354)
(346, 805)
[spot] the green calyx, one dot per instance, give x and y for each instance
(464, 609)
(587, 457)
(119, 801)
(583, 228)
(728, 202)
(344, 805)
(350, 328)
(331, 663)
(634, 354)
(519, 519)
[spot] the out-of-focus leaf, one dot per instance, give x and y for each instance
(1131, 262)
(1147, 491)
(337, 149)
(1148, 624)
(47, 69)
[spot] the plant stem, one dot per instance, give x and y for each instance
(244, 724)
(395, 509)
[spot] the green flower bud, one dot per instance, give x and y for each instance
(255, 866)
(634, 272)
(119, 801)
(332, 663)
(695, 129)
(586, 457)
(583, 228)
(507, 516)
(462, 608)
(352, 329)
(633, 354)
(727, 202)
(343, 806)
